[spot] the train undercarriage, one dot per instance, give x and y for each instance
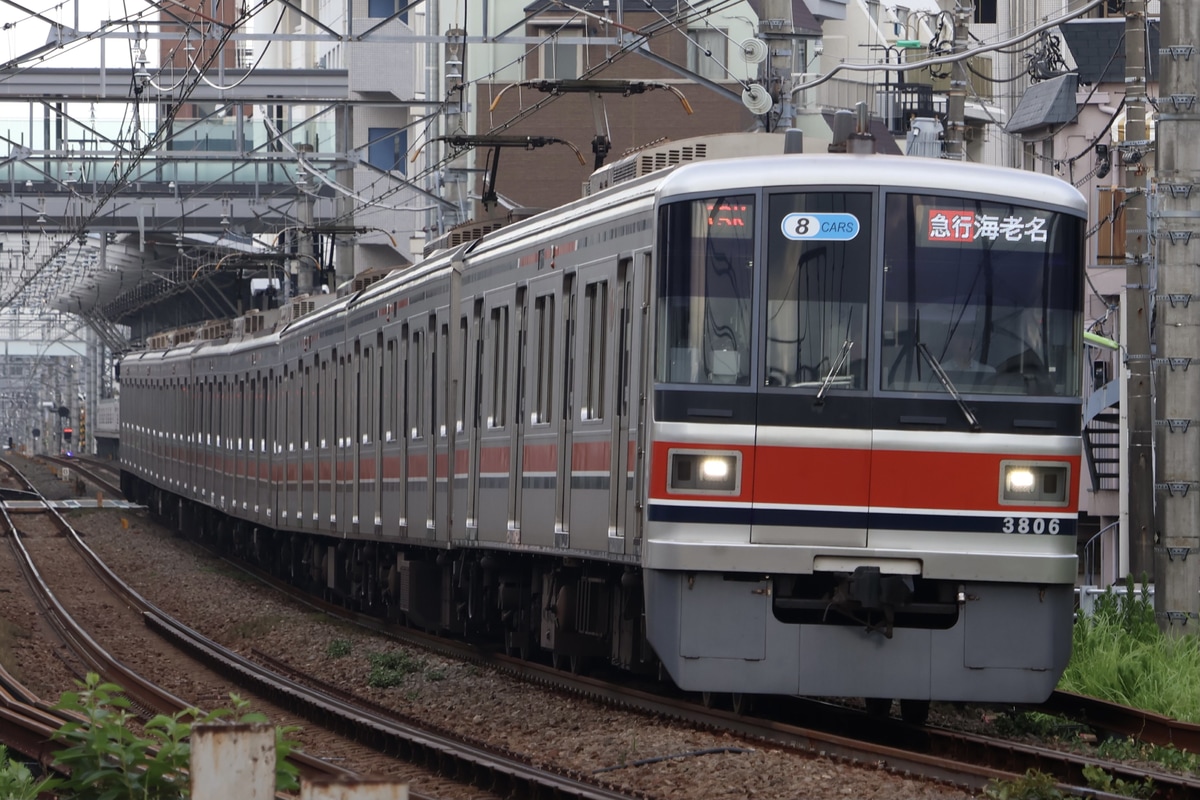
(573, 613)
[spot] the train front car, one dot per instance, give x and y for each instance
(866, 418)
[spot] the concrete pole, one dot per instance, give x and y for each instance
(304, 237)
(1177, 556)
(344, 268)
(1140, 456)
(956, 101)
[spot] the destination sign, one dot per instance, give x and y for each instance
(830, 227)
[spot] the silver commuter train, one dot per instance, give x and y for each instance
(778, 424)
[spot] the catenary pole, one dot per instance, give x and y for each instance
(956, 99)
(1134, 153)
(1177, 246)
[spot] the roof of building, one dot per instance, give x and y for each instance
(1098, 46)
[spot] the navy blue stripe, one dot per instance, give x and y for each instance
(859, 520)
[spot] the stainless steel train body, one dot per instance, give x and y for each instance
(720, 411)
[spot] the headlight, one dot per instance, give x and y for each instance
(695, 472)
(1034, 483)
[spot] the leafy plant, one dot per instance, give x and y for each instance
(338, 648)
(1126, 749)
(1097, 778)
(107, 760)
(391, 669)
(1033, 785)
(17, 782)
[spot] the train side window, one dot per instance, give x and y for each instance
(705, 285)
(498, 391)
(543, 362)
(595, 302)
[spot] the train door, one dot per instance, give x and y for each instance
(360, 383)
(390, 445)
(517, 419)
(419, 469)
(473, 349)
(209, 430)
(499, 462)
(312, 449)
(590, 483)
(441, 433)
(628, 336)
(541, 417)
(464, 427)
(297, 435)
(403, 374)
(566, 413)
(370, 401)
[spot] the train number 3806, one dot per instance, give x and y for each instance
(1030, 525)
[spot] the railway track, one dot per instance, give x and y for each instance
(847, 735)
(100, 474)
(499, 774)
(963, 759)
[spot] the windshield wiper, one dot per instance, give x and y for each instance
(936, 366)
(841, 359)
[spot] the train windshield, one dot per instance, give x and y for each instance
(818, 281)
(705, 289)
(989, 292)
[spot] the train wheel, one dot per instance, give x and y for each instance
(878, 706)
(914, 712)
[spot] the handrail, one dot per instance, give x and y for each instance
(1089, 554)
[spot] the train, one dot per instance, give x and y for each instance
(763, 422)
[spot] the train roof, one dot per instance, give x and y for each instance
(911, 172)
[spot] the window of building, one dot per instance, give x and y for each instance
(559, 57)
(387, 148)
(985, 12)
(708, 53)
(386, 8)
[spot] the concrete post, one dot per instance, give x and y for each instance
(233, 762)
(956, 100)
(1177, 218)
(1139, 396)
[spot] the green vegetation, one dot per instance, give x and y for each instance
(392, 669)
(338, 648)
(1037, 785)
(1133, 750)
(1119, 654)
(106, 760)
(17, 782)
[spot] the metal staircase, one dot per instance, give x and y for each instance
(1102, 437)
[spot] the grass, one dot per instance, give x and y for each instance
(1119, 654)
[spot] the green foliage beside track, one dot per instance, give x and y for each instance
(1119, 654)
(105, 758)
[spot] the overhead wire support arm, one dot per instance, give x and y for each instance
(497, 143)
(596, 87)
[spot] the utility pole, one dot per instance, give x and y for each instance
(1138, 384)
(956, 100)
(1177, 556)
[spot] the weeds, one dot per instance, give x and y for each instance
(1119, 654)
(392, 669)
(338, 648)
(105, 759)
